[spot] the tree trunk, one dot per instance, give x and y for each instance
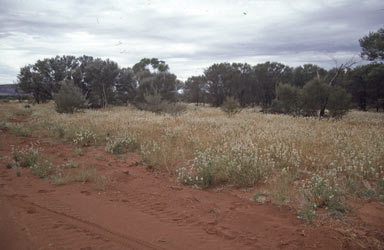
(105, 101)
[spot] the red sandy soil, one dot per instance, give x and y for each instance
(144, 209)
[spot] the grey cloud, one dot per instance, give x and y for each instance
(208, 35)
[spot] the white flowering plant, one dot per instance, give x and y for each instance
(120, 145)
(84, 137)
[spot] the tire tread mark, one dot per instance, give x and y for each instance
(125, 240)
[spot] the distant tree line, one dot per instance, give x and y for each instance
(305, 90)
(102, 82)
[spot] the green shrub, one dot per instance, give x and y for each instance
(42, 168)
(242, 166)
(69, 98)
(85, 175)
(307, 213)
(174, 108)
(314, 96)
(339, 102)
(288, 100)
(84, 137)
(26, 157)
(60, 178)
(4, 126)
(231, 106)
(155, 103)
(120, 145)
(319, 192)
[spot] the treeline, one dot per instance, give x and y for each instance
(305, 90)
(274, 86)
(102, 82)
(280, 88)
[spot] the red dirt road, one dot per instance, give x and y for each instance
(144, 209)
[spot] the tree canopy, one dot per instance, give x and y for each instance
(373, 46)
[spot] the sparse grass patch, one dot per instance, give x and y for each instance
(60, 131)
(27, 156)
(79, 151)
(42, 168)
(20, 130)
(259, 197)
(307, 212)
(70, 164)
(60, 178)
(85, 174)
(101, 183)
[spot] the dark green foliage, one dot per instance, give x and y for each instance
(314, 96)
(101, 77)
(70, 98)
(373, 45)
(309, 100)
(42, 79)
(339, 102)
(288, 100)
(125, 87)
(305, 73)
(196, 89)
(268, 75)
(153, 78)
(366, 85)
(231, 106)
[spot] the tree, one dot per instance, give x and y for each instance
(305, 73)
(332, 76)
(339, 102)
(218, 78)
(366, 84)
(244, 81)
(125, 86)
(373, 46)
(268, 75)
(69, 98)
(195, 89)
(101, 77)
(43, 78)
(315, 95)
(152, 76)
(288, 100)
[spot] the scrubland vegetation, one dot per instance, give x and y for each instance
(296, 152)
(308, 163)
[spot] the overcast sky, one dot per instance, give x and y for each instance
(189, 35)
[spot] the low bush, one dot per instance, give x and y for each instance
(320, 192)
(84, 137)
(231, 106)
(239, 164)
(26, 157)
(70, 98)
(154, 103)
(42, 168)
(120, 145)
